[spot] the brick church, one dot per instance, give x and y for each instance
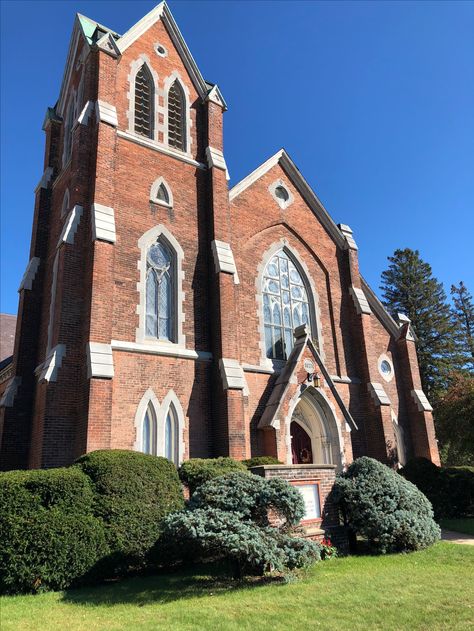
(165, 312)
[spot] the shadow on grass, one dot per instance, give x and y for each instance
(192, 582)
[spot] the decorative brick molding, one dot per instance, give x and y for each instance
(378, 394)
(360, 300)
(100, 361)
(421, 401)
(224, 259)
(9, 395)
(48, 370)
(30, 273)
(106, 113)
(103, 223)
(70, 226)
(232, 374)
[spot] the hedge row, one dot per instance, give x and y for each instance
(449, 489)
(98, 518)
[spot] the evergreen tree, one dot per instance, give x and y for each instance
(463, 314)
(409, 287)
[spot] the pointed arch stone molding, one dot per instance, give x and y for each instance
(315, 310)
(271, 416)
(155, 187)
(169, 81)
(145, 241)
(135, 66)
(160, 412)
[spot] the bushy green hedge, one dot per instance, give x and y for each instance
(49, 537)
(196, 471)
(449, 489)
(227, 519)
(132, 494)
(383, 507)
(258, 461)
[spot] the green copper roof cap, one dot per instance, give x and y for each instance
(90, 28)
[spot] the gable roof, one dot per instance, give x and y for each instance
(303, 340)
(283, 159)
(92, 31)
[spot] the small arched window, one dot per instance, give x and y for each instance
(176, 116)
(149, 432)
(172, 436)
(68, 130)
(162, 194)
(160, 292)
(144, 106)
(285, 304)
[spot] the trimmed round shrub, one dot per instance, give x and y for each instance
(381, 506)
(251, 497)
(227, 519)
(196, 471)
(449, 489)
(133, 493)
(50, 539)
(258, 461)
(214, 534)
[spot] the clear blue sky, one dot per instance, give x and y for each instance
(374, 101)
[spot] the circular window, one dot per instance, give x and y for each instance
(282, 193)
(161, 50)
(385, 367)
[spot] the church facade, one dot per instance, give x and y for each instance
(163, 311)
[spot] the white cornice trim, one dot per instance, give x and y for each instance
(310, 197)
(168, 350)
(151, 144)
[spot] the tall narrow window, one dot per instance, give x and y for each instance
(68, 131)
(285, 304)
(149, 433)
(144, 95)
(176, 117)
(159, 292)
(171, 436)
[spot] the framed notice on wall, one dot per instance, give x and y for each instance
(310, 492)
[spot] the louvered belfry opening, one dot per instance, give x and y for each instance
(144, 102)
(176, 121)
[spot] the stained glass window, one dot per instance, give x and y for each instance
(159, 292)
(176, 117)
(285, 305)
(144, 110)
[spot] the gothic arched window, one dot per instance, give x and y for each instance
(172, 436)
(177, 116)
(285, 304)
(144, 95)
(149, 432)
(160, 292)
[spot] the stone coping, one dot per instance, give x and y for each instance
(289, 467)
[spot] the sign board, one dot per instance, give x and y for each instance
(310, 493)
(308, 366)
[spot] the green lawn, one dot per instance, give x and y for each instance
(430, 590)
(465, 525)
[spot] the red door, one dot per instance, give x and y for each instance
(300, 445)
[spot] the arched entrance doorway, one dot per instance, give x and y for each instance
(313, 432)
